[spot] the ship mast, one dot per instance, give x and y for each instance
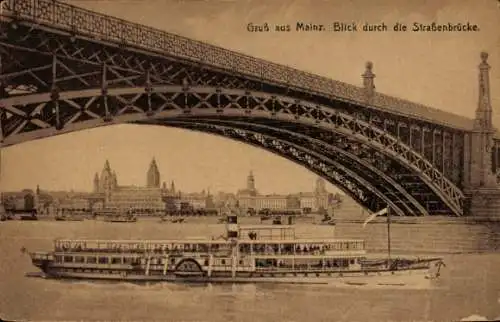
(389, 236)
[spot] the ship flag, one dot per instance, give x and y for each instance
(374, 215)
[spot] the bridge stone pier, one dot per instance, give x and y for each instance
(481, 185)
(65, 69)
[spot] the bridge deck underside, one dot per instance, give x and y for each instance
(38, 60)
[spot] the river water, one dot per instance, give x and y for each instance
(470, 283)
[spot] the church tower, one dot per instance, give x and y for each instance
(320, 194)
(96, 182)
(106, 181)
(115, 180)
(250, 189)
(320, 186)
(106, 177)
(153, 175)
(250, 182)
(482, 135)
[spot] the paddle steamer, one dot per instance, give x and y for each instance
(120, 216)
(245, 254)
(69, 217)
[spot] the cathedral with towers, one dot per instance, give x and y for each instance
(148, 197)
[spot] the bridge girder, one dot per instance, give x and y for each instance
(44, 114)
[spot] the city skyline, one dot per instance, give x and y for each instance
(436, 69)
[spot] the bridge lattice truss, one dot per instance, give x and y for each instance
(60, 74)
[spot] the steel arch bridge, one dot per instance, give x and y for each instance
(65, 69)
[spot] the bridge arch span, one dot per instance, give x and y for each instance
(344, 157)
(41, 114)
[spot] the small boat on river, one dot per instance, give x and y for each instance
(173, 220)
(328, 218)
(69, 217)
(120, 219)
(244, 254)
(6, 216)
(31, 216)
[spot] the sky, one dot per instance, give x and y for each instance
(436, 69)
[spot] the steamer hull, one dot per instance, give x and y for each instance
(415, 278)
(419, 276)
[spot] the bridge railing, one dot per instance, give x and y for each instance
(85, 22)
